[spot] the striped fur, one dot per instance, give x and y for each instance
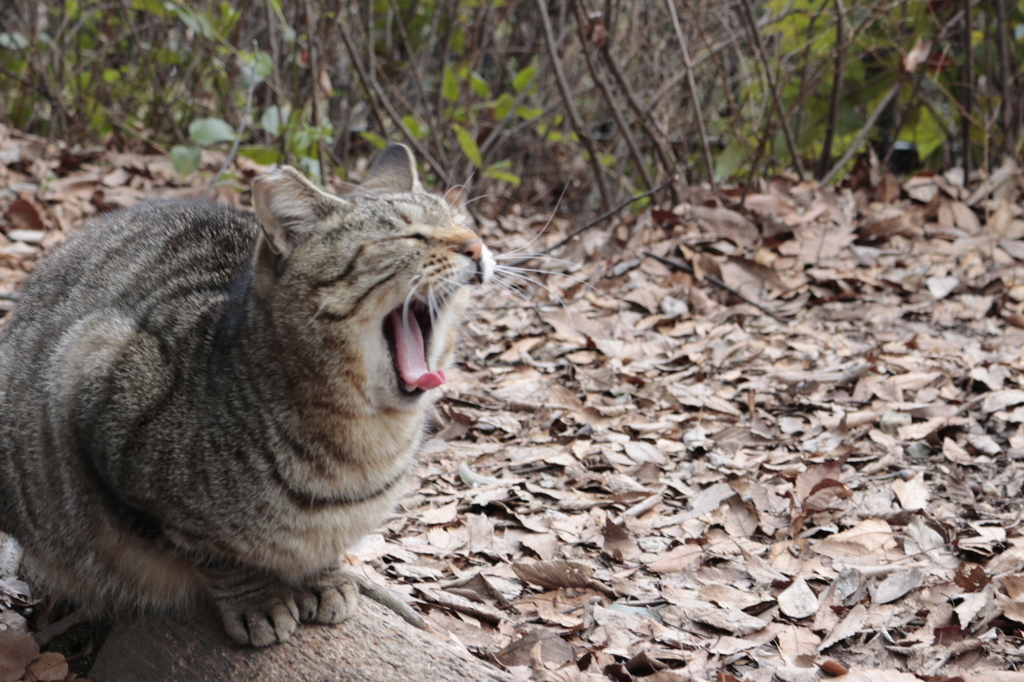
(196, 401)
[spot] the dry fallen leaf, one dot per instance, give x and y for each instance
(897, 585)
(798, 600)
(912, 493)
(17, 651)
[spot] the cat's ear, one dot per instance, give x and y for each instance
(394, 170)
(290, 207)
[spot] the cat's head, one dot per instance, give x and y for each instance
(374, 282)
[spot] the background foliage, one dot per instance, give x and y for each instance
(771, 85)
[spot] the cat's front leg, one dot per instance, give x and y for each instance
(327, 597)
(257, 609)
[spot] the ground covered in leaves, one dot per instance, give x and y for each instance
(639, 475)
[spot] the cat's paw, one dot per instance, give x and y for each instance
(329, 597)
(262, 617)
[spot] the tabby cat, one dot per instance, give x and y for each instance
(195, 401)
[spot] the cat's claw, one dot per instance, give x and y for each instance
(261, 621)
(328, 598)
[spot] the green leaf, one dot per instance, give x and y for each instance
(200, 23)
(449, 85)
(302, 141)
(524, 78)
(479, 85)
(185, 159)
(730, 160)
(271, 120)
(526, 113)
(468, 145)
(374, 139)
(414, 126)
(261, 155)
(206, 131)
(928, 134)
(264, 65)
(497, 171)
(312, 167)
(152, 6)
(13, 41)
(503, 105)
(111, 76)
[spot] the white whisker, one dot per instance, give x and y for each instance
(516, 272)
(543, 229)
(415, 283)
(318, 311)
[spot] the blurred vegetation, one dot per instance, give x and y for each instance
(646, 91)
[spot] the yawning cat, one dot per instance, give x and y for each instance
(195, 401)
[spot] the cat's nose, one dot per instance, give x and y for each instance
(481, 256)
(474, 249)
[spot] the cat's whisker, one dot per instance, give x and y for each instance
(515, 272)
(540, 257)
(519, 291)
(318, 311)
(414, 284)
(509, 254)
(431, 305)
(514, 279)
(463, 186)
(478, 198)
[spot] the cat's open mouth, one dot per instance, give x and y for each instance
(408, 330)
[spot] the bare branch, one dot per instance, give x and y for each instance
(694, 97)
(238, 133)
(609, 99)
(755, 34)
(837, 88)
(596, 221)
(570, 106)
(374, 94)
(859, 140)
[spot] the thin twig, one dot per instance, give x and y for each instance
(599, 219)
(687, 268)
(513, 113)
(691, 84)
(420, 81)
(602, 84)
(837, 88)
(966, 94)
(314, 66)
(761, 145)
(1007, 76)
(671, 83)
(374, 94)
(644, 118)
(863, 133)
(755, 33)
(916, 97)
(570, 106)
(238, 133)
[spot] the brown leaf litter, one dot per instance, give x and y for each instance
(638, 476)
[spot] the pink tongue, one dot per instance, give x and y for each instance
(412, 361)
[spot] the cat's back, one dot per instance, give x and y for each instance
(135, 257)
(147, 262)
